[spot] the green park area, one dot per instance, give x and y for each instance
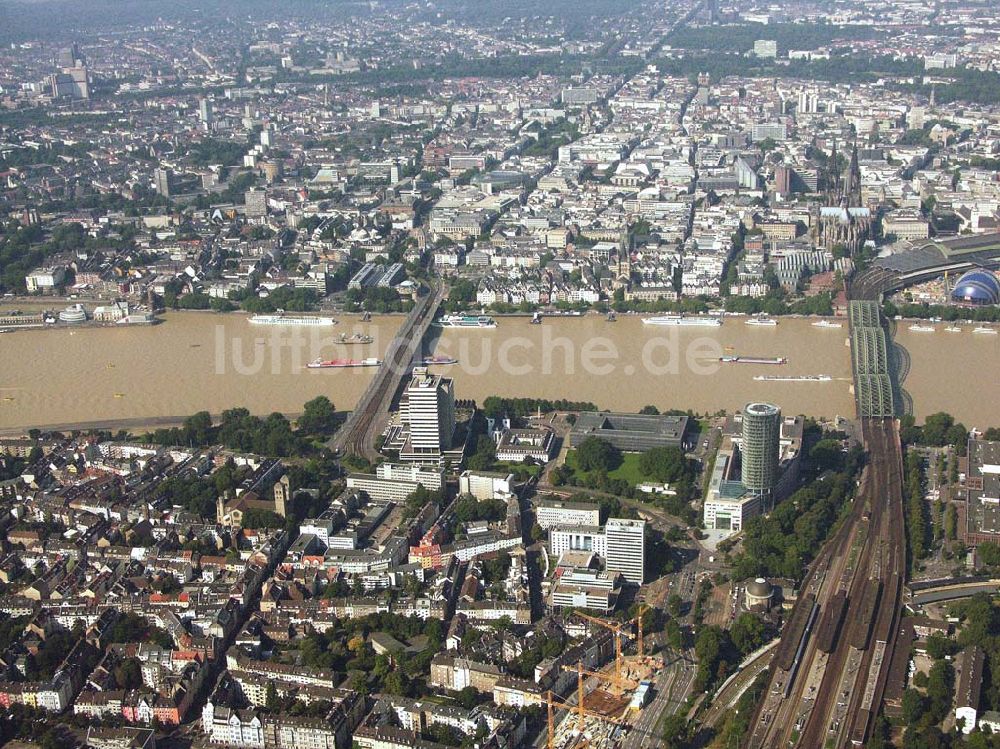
(629, 469)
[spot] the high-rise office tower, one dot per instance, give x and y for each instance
(205, 112)
(161, 179)
(782, 179)
(71, 83)
(429, 413)
(713, 11)
(70, 57)
(625, 548)
(760, 447)
(255, 202)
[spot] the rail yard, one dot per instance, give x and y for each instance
(831, 665)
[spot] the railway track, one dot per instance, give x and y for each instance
(891, 561)
(847, 675)
(358, 433)
(823, 581)
(854, 680)
(855, 669)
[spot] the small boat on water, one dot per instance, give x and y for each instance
(922, 328)
(438, 361)
(680, 320)
(119, 395)
(343, 363)
(793, 378)
(984, 331)
(763, 322)
(356, 338)
(291, 320)
(612, 317)
(753, 360)
(467, 321)
(536, 319)
(952, 329)
(827, 324)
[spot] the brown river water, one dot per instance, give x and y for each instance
(138, 377)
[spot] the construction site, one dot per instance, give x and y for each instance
(607, 703)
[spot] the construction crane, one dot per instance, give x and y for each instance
(579, 709)
(549, 705)
(643, 608)
(618, 629)
(619, 683)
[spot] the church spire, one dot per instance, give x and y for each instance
(852, 181)
(833, 171)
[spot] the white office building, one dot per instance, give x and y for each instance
(589, 538)
(428, 412)
(431, 478)
(620, 543)
(586, 589)
(44, 279)
(626, 548)
(321, 527)
(553, 512)
(765, 48)
(483, 485)
(396, 481)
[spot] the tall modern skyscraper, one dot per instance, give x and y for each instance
(255, 202)
(760, 448)
(161, 180)
(70, 57)
(713, 11)
(626, 548)
(782, 180)
(205, 113)
(71, 83)
(429, 413)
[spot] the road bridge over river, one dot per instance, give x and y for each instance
(370, 416)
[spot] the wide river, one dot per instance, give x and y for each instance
(955, 372)
(138, 377)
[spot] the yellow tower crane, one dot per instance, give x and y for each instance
(619, 630)
(643, 608)
(579, 709)
(618, 683)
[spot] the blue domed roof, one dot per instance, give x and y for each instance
(978, 287)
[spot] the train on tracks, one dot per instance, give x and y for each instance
(784, 656)
(829, 625)
(867, 611)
